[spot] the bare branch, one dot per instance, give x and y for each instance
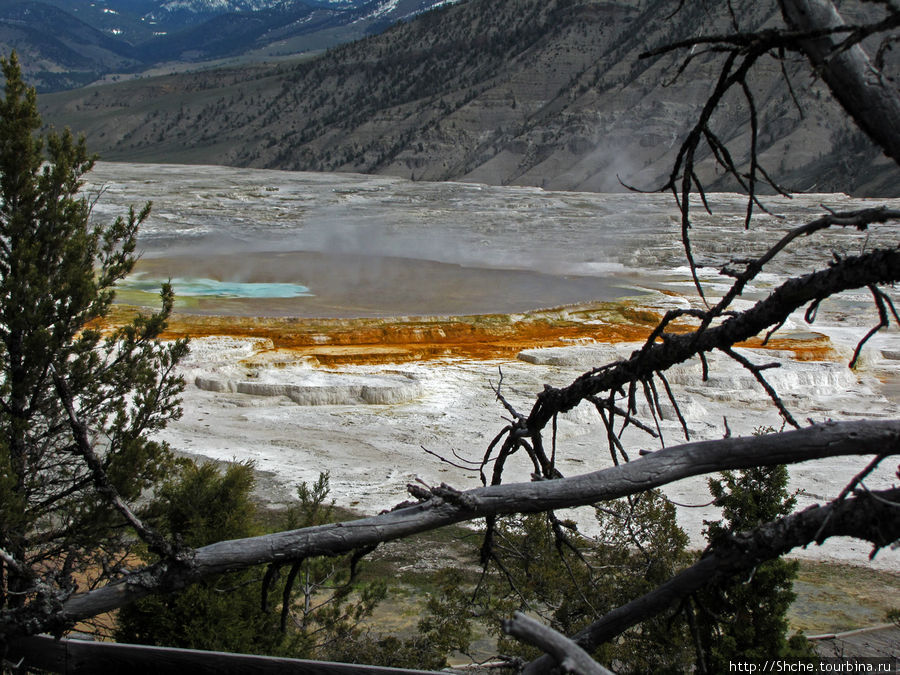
(756, 371)
(473, 466)
(860, 219)
(881, 266)
(863, 516)
(872, 103)
(882, 301)
(156, 542)
(681, 420)
(676, 462)
(570, 657)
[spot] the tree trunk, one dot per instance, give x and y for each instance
(869, 97)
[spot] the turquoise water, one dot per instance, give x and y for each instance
(213, 288)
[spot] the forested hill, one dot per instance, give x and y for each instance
(530, 92)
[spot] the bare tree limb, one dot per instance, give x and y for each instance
(156, 542)
(874, 517)
(570, 657)
(871, 100)
(676, 462)
(882, 302)
(860, 219)
(756, 371)
(881, 266)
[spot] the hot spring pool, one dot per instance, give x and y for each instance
(214, 288)
(343, 285)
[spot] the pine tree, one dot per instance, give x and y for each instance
(748, 617)
(76, 408)
(203, 505)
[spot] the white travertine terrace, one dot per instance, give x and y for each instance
(371, 422)
(315, 388)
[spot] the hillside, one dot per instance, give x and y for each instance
(59, 49)
(70, 43)
(527, 92)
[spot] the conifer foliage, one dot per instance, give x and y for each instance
(202, 505)
(76, 408)
(747, 617)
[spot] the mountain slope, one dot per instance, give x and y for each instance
(68, 43)
(59, 50)
(549, 93)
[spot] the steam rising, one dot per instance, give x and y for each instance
(378, 246)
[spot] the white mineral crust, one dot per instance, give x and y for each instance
(371, 422)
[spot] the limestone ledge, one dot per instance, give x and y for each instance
(379, 390)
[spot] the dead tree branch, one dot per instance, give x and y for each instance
(659, 468)
(155, 541)
(570, 657)
(870, 100)
(881, 266)
(874, 517)
(815, 29)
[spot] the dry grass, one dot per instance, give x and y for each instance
(832, 597)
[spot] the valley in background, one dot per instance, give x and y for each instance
(517, 92)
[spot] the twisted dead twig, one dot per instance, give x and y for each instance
(627, 418)
(674, 402)
(271, 574)
(860, 477)
(286, 593)
(515, 439)
(653, 404)
(613, 441)
(765, 40)
(882, 302)
(468, 464)
(756, 371)
(487, 459)
(516, 415)
(856, 480)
